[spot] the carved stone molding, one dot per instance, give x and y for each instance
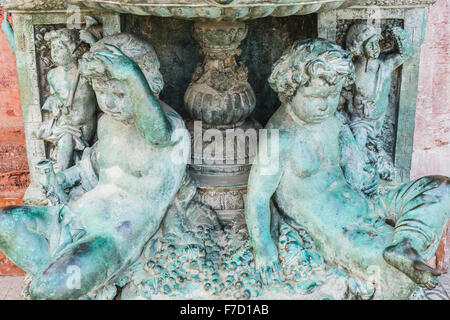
(217, 9)
(33, 4)
(386, 3)
(204, 9)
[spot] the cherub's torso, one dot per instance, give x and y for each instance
(313, 192)
(313, 182)
(83, 109)
(137, 181)
(372, 86)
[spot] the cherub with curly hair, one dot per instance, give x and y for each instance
(318, 184)
(140, 158)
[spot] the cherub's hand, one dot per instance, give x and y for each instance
(119, 66)
(267, 265)
(400, 39)
(87, 37)
(56, 111)
(370, 186)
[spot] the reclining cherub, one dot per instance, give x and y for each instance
(141, 156)
(318, 181)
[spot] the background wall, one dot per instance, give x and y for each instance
(431, 153)
(13, 162)
(179, 55)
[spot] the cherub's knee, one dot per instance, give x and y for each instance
(39, 290)
(437, 185)
(85, 266)
(7, 224)
(6, 211)
(56, 285)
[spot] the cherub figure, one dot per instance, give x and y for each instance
(140, 158)
(369, 94)
(71, 103)
(318, 181)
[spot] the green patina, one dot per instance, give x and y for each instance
(104, 231)
(322, 183)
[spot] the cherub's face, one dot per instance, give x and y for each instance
(60, 53)
(372, 47)
(317, 101)
(112, 98)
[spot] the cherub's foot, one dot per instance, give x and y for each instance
(406, 259)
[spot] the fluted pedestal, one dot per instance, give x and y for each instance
(219, 100)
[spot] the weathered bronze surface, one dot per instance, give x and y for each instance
(131, 206)
(322, 183)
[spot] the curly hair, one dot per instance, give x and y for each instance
(357, 34)
(69, 37)
(138, 50)
(309, 59)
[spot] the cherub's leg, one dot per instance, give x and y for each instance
(82, 267)
(420, 209)
(65, 154)
(23, 238)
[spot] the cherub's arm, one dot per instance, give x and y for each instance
(85, 172)
(263, 182)
(362, 177)
(261, 187)
(149, 118)
(403, 47)
(53, 102)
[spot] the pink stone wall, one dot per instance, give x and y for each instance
(14, 175)
(431, 153)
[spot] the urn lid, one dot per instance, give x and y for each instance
(228, 10)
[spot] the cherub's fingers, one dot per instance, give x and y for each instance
(113, 49)
(277, 269)
(370, 187)
(104, 53)
(263, 275)
(106, 60)
(269, 275)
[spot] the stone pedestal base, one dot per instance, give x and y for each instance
(221, 159)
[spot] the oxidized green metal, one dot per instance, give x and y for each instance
(368, 97)
(125, 211)
(105, 230)
(8, 32)
(321, 182)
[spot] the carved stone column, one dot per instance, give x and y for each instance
(224, 142)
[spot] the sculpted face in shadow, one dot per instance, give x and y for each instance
(317, 102)
(71, 102)
(368, 97)
(112, 99)
(322, 184)
(129, 179)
